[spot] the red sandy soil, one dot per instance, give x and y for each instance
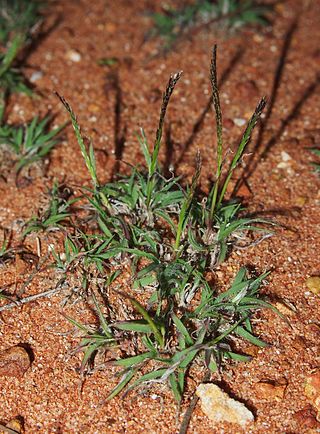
(279, 61)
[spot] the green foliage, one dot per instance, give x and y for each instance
(231, 13)
(172, 235)
(94, 340)
(11, 78)
(173, 340)
(316, 152)
(30, 142)
(58, 211)
(18, 17)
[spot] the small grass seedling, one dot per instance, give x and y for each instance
(57, 212)
(30, 142)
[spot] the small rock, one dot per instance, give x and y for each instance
(239, 122)
(286, 166)
(35, 76)
(301, 201)
(228, 123)
(270, 392)
(258, 38)
(93, 108)
(305, 418)
(219, 407)
(14, 362)
(313, 283)
(285, 156)
(73, 55)
(16, 425)
(312, 391)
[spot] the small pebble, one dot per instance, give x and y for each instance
(239, 122)
(301, 201)
(285, 156)
(228, 123)
(35, 76)
(93, 108)
(73, 55)
(16, 425)
(313, 283)
(14, 362)
(219, 407)
(305, 418)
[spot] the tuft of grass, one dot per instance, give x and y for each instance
(58, 211)
(30, 142)
(174, 23)
(93, 340)
(18, 17)
(172, 236)
(18, 21)
(174, 340)
(11, 78)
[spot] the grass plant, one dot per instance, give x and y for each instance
(18, 17)
(30, 142)
(171, 236)
(18, 20)
(173, 23)
(58, 211)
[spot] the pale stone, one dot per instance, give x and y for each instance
(285, 156)
(239, 122)
(35, 76)
(313, 283)
(219, 407)
(73, 55)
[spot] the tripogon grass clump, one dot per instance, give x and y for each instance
(172, 237)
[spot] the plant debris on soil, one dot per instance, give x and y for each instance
(67, 305)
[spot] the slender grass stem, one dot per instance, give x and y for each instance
(11, 54)
(241, 148)
(217, 108)
(89, 157)
(155, 153)
(186, 205)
